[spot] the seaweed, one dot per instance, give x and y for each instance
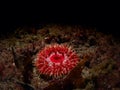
(73, 80)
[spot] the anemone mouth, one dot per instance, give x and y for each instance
(57, 58)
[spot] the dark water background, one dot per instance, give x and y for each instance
(102, 16)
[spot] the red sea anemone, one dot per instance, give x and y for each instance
(56, 60)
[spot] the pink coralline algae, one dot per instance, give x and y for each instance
(56, 60)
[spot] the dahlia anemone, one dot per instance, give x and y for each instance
(56, 60)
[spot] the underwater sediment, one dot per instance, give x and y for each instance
(98, 66)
